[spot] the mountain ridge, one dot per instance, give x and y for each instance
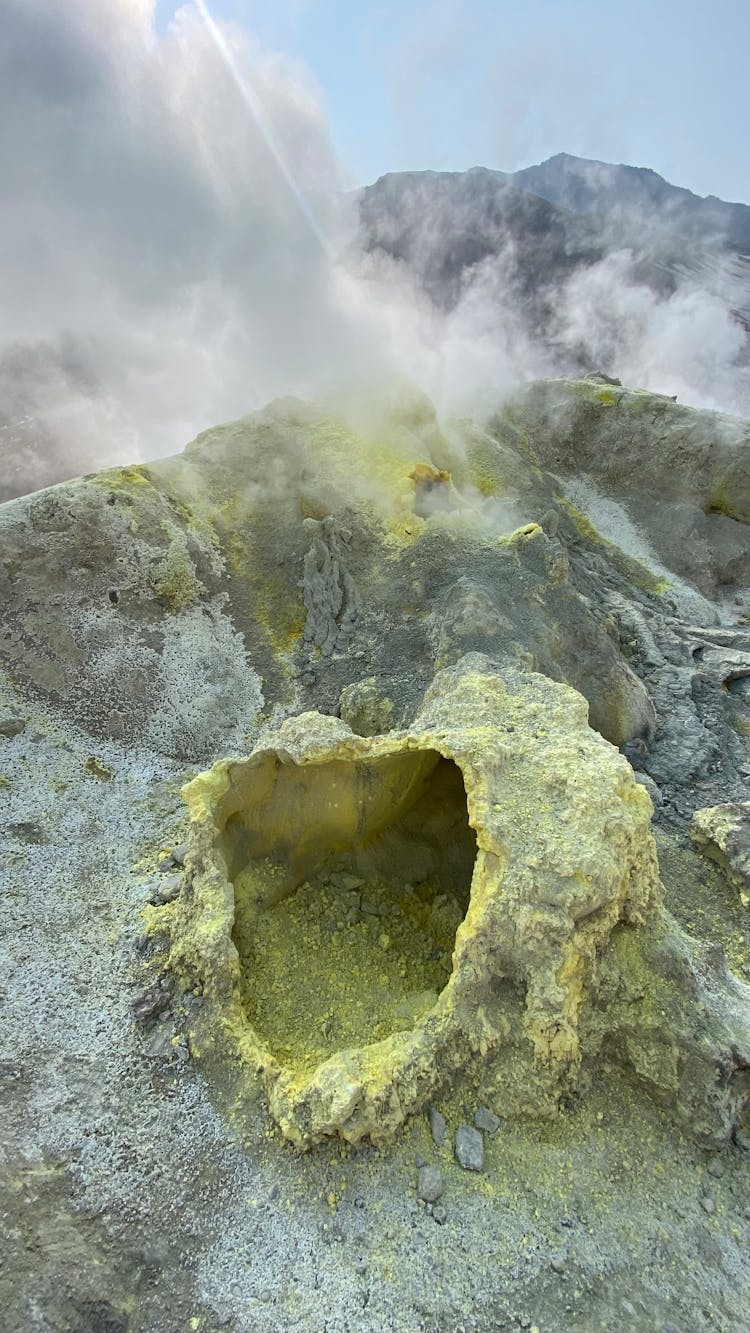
(549, 222)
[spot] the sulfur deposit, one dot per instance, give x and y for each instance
(498, 811)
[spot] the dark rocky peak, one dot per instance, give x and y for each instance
(636, 193)
(444, 223)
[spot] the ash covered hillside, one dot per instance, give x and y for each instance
(593, 263)
(458, 903)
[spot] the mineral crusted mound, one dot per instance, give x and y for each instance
(358, 907)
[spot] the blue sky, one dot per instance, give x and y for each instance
(451, 85)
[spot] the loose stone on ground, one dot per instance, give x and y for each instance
(437, 1126)
(430, 1184)
(469, 1148)
(11, 727)
(486, 1120)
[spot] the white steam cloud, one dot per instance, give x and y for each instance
(177, 246)
(687, 344)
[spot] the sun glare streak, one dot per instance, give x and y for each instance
(253, 105)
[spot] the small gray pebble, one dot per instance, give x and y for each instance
(182, 1050)
(708, 1204)
(159, 1044)
(648, 782)
(439, 1214)
(437, 1126)
(469, 1148)
(166, 890)
(344, 880)
(361, 1265)
(429, 1183)
(12, 726)
(180, 852)
(149, 1002)
(557, 1264)
(420, 1161)
(486, 1120)
(716, 1167)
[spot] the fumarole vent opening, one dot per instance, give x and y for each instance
(350, 881)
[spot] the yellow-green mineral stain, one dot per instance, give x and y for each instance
(335, 966)
(638, 573)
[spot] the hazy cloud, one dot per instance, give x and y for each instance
(177, 247)
(686, 343)
(153, 257)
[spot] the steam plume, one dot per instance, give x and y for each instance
(178, 245)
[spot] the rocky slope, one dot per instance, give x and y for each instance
(545, 224)
(412, 885)
(636, 195)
